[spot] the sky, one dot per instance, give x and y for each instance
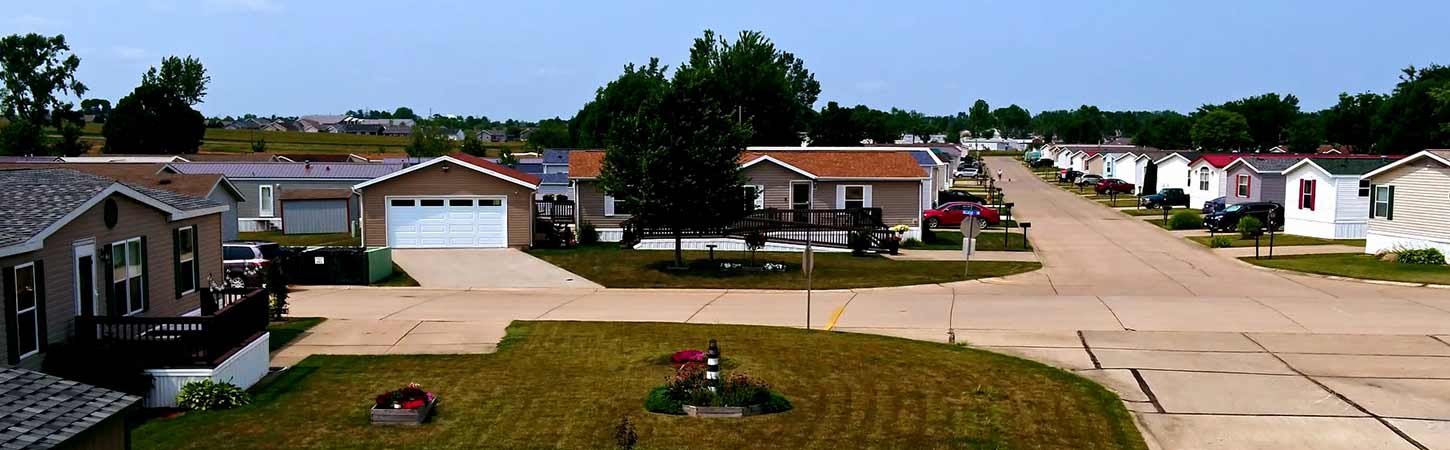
(535, 59)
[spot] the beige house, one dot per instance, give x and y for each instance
(455, 201)
(1410, 203)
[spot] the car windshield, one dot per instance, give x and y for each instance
(1234, 208)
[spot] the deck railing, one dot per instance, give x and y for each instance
(194, 341)
(824, 227)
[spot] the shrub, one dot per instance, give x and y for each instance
(1183, 220)
(912, 243)
(1427, 256)
(109, 366)
(754, 240)
(588, 234)
(1250, 227)
(1221, 242)
(206, 395)
(860, 242)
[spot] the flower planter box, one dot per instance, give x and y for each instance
(389, 416)
(721, 411)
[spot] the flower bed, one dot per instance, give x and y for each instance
(687, 392)
(410, 405)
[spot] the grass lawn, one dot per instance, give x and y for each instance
(610, 266)
(301, 240)
(1280, 239)
(1197, 225)
(399, 278)
(565, 385)
(1355, 265)
(289, 329)
(1157, 212)
(1123, 200)
(987, 241)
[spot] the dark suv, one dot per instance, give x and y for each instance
(956, 196)
(1228, 219)
(246, 262)
(1166, 196)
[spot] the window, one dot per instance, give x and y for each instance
(234, 253)
(1383, 201)
(1242, 186)
(1306, 194)
(855, 197)
(754, 196)
(401, 202)
(186, 276)
(468, 203)
(614, 206)
(490, 202)
(1364, 188)
(27, 312)
(127, 282)
(264, 200)
(1203, 179)
(431, 202)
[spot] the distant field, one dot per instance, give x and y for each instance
(222, 140)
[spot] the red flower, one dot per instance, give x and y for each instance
(413, 404)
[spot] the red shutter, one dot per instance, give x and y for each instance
(1301, 194)
(1313, 193)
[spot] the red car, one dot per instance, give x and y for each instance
(1113, 185)
(951, 214)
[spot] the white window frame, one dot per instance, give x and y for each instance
(1203, 173)
(1307, 195)
(33, 310)
(865, 199)
(138, 277)
(1242, 185)
(266, 200)
(182, 258)
(1382, 197)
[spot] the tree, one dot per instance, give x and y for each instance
(1085, 125)
(404, 112)
(1416, 115)
(34, 69)
(836, 126)
(472, 145)
(1306, 133)
(1351, 121)
(1268, 116)
(767, 89)
(427, 140)
(551, 133)
(184, 79)
(689, 133)
(1166, 130)
(622, 97)
(1012, 121)
(875, 124)
(1050, 124)
(152, 120)
(98, 107)
(980, 119)
(506, 157)
(1221, 129)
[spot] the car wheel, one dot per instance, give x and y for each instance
(933, 222)
(981, 224)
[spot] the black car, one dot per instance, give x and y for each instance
(957, 196)
(1215, 205)
(1228, 219)
(1167, 196)
(1067, 175)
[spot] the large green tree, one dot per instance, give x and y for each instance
(1085, 125)
(766, 88)
(98, 107)
(1221, 130)
(1306, 133)
(1268, 117)
(1166, 130)
(152, 120)
(622, 97)
(1351, 120)
(183, 78)
(836, 126)
(980, 120)
(1416, 116)
(36, 72)
(551, 133)
(1013, 121)
(427, 140)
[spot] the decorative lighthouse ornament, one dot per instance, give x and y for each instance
(712, 365)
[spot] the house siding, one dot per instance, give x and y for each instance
(1095, 166)
(1216, 177)
(1173, 173)
(315, 216)
(136, 219)
(436, 181)
(898, 200)
(777, 180)
(248, 209)
(590, 206)
(1421, 208)
(229, 217)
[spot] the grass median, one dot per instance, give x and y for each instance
(1357, 265)
(1280, 240)
(987, 241)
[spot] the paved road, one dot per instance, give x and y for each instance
(1209, 353)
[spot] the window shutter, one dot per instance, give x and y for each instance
(1390, 204)
(1301, 194)
(1313, 193)
(1372, 197)
(840, 197)
(608, 205)
(866, 195)
(42, 338)
(12, 352)
(145, 277)
(1248, 186)
(176, 259)
(196, 257)
(108, 273)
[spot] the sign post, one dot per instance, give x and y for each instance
(969, 237)
(1271, 233)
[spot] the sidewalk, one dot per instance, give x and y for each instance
(956, 255)
(1287, 250)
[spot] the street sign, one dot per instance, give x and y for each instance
(808, 260)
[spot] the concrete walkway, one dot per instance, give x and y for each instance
(1208, 353)
(484, 268)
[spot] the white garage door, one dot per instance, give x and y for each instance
(452, 222)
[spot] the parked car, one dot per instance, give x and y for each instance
(1113, 185)
(970, 172)
(1067, 175)
(1042, 162)
(1089, 180)
(1215, 205)
(1167, 196)
(246, 262)
(945, 197)
(1228, 219)
(952, 214)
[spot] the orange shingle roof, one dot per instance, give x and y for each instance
(490, 165)
(820, 163)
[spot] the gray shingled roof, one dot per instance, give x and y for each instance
(33, 199)
(560, 179)
(556, 156)
(1351, 166)
(1271, 164)
(242, 170)
(923, 157)
(39, 411)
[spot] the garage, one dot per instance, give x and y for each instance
(474, 222)
(454, 201)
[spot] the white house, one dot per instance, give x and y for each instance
(1326, 197)
(1173, 170)
(1208, 177)
(1123, 166)
(1410, 203)
(1080, 161)
(1064, 157)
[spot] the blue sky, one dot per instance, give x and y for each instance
(537, 58)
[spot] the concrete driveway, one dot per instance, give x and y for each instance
(1208, 352)
(484, 268)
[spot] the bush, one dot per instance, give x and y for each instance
(206, 395)
(688, 386)
(1184, 220)
(912, 243)
(106, 365)
(860, 242)
(588, 234)
(1250, 227)
(1221, 242)
(1427, 256)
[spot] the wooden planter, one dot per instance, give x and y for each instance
(389, 416)
(722, 411)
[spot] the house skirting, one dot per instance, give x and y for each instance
(259, 224)
(243, 369)
(1376, 242)
(726, 244)
(1326, 230)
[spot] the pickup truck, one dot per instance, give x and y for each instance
(1167, 196)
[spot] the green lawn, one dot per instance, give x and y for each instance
(987, 241)
(1197, 225)
(1280, 239)
(301, 240)
(610, 266)
(289, 329)
(1355, 265)
(1123, 200)
(1157, 212)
